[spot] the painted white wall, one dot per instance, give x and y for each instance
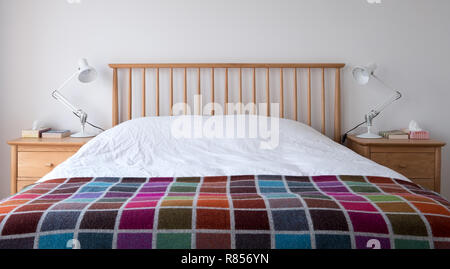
(41, 41)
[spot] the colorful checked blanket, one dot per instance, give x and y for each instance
(242, 212)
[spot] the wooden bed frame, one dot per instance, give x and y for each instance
(268, 67)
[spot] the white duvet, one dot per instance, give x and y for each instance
(145, 147)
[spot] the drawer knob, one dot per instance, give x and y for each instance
(403, 166)
(49, 165)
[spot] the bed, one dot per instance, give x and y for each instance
(140, 186)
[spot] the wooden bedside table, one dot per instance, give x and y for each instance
(418, 160)
(33, 158)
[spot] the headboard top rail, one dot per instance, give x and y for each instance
(227, 65)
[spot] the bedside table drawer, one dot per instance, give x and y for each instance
(411, 165)
(38, 164)
(32, 158)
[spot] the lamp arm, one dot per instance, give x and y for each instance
(58, 96)
(382, 82)
(391, 100)
(376, 111)
(67, 81)
(78, 112)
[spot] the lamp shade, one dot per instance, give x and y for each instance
(86, 73)
(362, 74)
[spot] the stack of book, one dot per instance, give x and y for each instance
(405, 134)
(34, 133)
(45, 133)
(394, 134)
(56, 134)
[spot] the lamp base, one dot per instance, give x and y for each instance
(369, 136)
(82, 135)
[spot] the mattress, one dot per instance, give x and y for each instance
(153, 147)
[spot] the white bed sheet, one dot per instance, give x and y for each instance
(145, 148)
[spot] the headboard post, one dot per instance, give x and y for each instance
(115, 99)
(337, 107)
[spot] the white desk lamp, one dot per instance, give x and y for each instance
(362, 74)
(85, 74)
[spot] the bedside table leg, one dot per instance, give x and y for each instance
(13, 170)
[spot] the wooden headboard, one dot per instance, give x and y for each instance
(286, 70)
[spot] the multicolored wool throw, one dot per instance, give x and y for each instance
(226, 212)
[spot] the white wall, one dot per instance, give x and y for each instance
(40, 41)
